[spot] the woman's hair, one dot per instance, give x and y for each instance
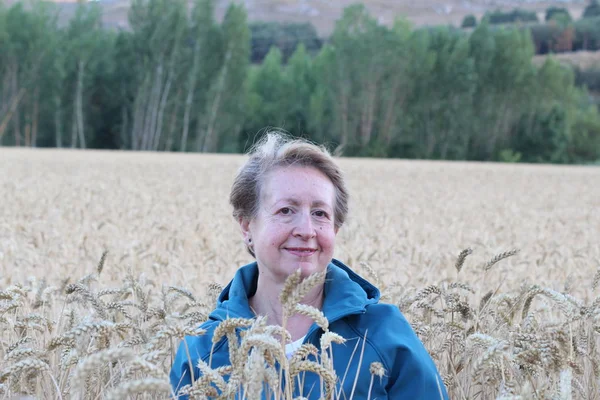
(276, 150)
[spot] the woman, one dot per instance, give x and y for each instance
(290, 200)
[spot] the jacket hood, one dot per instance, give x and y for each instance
(345, 292)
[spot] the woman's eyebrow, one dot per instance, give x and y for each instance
(294, 202)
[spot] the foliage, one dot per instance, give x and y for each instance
(559, 14)
(588, 78)
(469, 21)
(587, 34)
(371, 90)
(508, 17)
(592, 10)
(285, 36)
(552, 37)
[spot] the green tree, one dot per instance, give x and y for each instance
(268, 101)
(357, 71)
(440, 108)
(225, 111)
(300, 83)
(559, 14)
(24, 54)
(201, 64)
(285, 36)
(158, 31)
(504, 71)
(587, 34)
(592, 10)
(83, 35)
(469, 21)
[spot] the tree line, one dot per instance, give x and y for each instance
(558, 33)
(181, 81)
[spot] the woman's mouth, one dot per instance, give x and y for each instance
(301, 251)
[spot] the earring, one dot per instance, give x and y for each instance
(249, 240)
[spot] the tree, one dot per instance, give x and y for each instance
(587, 34)
(206, 39)
(158, 27)
(84, 48)
(592, 10)
(23, 34)
(469, 21)
(268, 101)
(517, 15)
(504, 70)
(442, 103)
(356, 72)
(300, 83)
(559, 14)
(225, 110)
(285, 36)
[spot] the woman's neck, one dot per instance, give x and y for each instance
(266, 302)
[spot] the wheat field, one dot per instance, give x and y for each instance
(108, 258)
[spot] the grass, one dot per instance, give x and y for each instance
(499, 324)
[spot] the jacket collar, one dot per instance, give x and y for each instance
(345, 292)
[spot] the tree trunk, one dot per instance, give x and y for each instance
(161, 110)
(17, 117)
(172, 125)
(73, 131)
(27, 130)
(35, 116)
(124, 123)
(200, 135)
(189, 100)
(139, 115)
(58, 121)
(210, 140)
(6, 92)
(79, 104)
(14, 104)
(368, 113)
(342, 100)
(389, 116)
(152, 107)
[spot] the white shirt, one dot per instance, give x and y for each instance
(291, 348)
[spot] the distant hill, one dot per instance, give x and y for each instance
(324, 13)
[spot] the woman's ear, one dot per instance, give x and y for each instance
(245, 228)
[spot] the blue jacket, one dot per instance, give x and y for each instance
(351, 305)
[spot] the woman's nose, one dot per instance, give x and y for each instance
(304, 227)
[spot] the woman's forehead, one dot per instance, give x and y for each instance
(296, 185)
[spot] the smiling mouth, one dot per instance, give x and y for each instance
(301, 251)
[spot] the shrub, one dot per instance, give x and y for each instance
(514, 16)
(587, 34)
(588, 78)
(285, 36)
(552, 38)
(592, 10)
(469, 21)
(559, 14)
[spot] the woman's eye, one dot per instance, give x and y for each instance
(320, 214)
(285, 211)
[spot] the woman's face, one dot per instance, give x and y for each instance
(294, 227)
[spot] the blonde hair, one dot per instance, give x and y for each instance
(275, 150)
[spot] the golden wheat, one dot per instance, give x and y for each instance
(108, 259)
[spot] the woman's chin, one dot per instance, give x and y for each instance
(306, 268)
